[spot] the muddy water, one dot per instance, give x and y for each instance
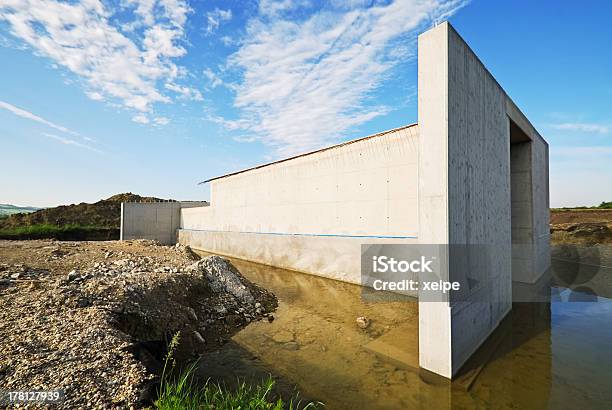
(552, 354)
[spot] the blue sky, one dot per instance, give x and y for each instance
(152, 96)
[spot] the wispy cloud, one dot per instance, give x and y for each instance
(69, 141)
(141, 119)
(120, 60)
(304, 82)
(582, 127)
(215, 17)
(580, 152)
(28, 115)
(213, 78)
(185, 92)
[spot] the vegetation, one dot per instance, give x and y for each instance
(64, 232)
(182, 393)
(6, 210)
(603, 205)
(77, 222)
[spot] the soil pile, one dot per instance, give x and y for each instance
(93, 318)
(581, 226)
(104, 213)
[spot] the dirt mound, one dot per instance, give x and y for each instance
(94, 318)
(104, 213)
(580, 216)
(581, 225)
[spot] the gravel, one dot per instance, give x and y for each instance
(92, 318)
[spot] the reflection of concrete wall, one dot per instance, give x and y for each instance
(153, 220)
(313, 212)
(464, 194)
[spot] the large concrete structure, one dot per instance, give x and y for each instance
(483, 180)
(153, 220)
(472, 173)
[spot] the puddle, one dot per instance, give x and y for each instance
(547, 354)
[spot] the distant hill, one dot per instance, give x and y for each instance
(6, 209)
(104, 213)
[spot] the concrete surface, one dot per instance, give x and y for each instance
(465, 197)
(153, 220)
(312, 213)
(472, 175)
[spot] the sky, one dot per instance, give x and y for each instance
(152, 96)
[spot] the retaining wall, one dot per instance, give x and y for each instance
(313, 212)
(153, 220)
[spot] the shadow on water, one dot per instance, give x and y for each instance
(552, 352)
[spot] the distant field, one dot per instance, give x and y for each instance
(603, 205)
(64, 232)
(6, 210)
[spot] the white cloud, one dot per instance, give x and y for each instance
(305, 82)
(582, 127)
(581, 153)
(161, 120)
(215, 18)
(68, 141)
(140, 118)
(273, 8)
(28, 115)
(87, 39)
(213, 78)
(185, 92)
(227, 40)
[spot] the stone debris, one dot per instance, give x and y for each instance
(223, 277)
(363, 322)
(82, 316)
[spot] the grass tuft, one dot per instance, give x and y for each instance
(181, 393)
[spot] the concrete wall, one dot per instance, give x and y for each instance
(465, 195)
(153, 220)
(313, 212)
(531, 247)
(447, 182)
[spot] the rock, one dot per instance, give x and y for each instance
(191, 254)
(15, 275)
(198, 337)
(83, 302)
(224, 277)
(192, 314)
(270, 318)
(72, 275)
(257, 305)
(363, 322)
(291, 346)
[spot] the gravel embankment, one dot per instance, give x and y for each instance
(93, 318)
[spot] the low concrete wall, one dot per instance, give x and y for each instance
(153, 220)
(335, 257)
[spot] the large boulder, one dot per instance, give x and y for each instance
(224, 277)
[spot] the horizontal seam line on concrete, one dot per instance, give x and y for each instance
(305, 234)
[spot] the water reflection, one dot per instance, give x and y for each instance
(545, 354)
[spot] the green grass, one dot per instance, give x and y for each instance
(66, 232)
(181, 393)
(603, 205)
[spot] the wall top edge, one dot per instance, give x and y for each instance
(342, 144)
